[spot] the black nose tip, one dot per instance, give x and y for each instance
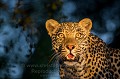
(70, 47)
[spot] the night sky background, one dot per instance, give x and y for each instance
(25, 46)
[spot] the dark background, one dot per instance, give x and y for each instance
(25, 46)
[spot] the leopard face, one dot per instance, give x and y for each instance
(68, 38)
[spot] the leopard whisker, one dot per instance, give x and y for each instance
(54, 55)
(57, 58)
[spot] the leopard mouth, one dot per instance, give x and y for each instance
(70, 56)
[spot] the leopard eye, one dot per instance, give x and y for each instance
(61, 35)
(78, 35)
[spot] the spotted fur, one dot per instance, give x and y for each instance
(81, 54)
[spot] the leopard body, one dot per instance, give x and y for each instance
(81, 54)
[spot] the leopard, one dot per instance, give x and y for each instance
(80, 53)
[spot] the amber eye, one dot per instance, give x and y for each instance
(79, 35)
(61, 35)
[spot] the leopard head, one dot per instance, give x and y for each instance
(69, 39)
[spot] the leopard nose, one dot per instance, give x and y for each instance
(70, 47)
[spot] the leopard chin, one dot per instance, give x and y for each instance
(68, 63)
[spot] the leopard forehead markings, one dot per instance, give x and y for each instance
(81, 54)
(67, 28)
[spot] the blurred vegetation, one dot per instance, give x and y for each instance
(43, 49)
(31, 16)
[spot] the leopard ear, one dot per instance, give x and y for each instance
(51, 25)
(86, 23)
